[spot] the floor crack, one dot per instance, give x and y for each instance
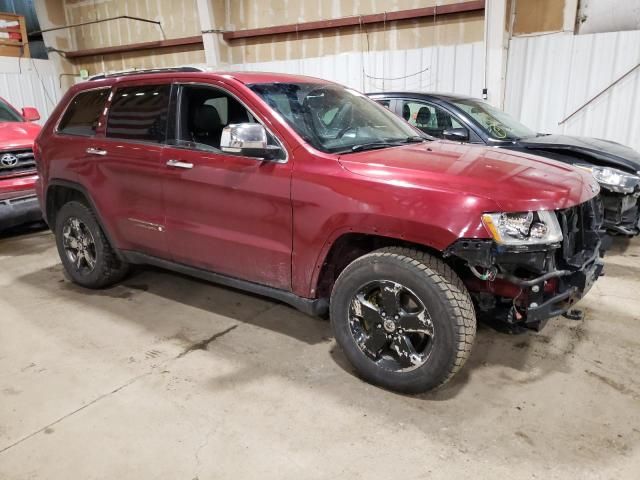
(86, 405)
(203, 344)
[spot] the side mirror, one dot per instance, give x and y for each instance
(456, 134)
(30, 114)
(248, 140)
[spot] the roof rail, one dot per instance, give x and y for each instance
(121, 73)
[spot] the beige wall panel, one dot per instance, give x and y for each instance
(532, 16)
(406, 34)
(179, 19)
(256, 14)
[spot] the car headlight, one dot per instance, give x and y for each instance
(613, 179)
(523, 228)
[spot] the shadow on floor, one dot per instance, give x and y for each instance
(517, 352)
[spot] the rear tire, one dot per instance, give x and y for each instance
(86, 254)
(403, 318)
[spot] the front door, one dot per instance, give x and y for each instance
(225, 213)
(429, 118)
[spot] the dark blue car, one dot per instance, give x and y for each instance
(466, 119)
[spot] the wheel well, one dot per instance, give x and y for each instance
(57, 196)
(350, 246)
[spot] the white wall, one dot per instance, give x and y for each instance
(455, 68)
(29, 83)
(550, 76)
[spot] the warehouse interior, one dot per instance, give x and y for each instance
(165, 375)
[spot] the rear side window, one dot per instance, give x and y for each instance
(83, 113)
(139, 113)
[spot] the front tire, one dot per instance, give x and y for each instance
(85, 252)
(403, 318)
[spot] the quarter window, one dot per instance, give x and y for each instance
(139, 113)
(83, 114)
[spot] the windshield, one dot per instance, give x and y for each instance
(335, 119)
(496, 123)
(8, 114)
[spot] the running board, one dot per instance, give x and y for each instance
(310, 306)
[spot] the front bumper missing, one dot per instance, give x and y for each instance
(621, 212)
(525, 300)
(573, 286)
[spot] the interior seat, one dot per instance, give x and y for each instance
(207, 127)
(406, 112)
(423, 117)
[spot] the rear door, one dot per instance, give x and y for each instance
(125, 173)
(225, 213)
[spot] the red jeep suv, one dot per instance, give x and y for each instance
(18, 202)
(311, 193)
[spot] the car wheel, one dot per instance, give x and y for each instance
(85, 252)
(403, 318)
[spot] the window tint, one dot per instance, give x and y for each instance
(385, 103)
(83, 113)
(428, 118)
(139, 113)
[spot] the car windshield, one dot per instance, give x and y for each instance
(8, 114)
(336, 119)
(496, 123)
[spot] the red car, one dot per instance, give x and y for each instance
(18, 201)
(311, 193)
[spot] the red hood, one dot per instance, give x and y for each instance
(17, 134)
(514, 181)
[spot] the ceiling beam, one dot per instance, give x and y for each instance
(174, 42)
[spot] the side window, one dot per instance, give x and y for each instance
(204, 112)
(139, 113)
(83, 113)
(429, 118)
(385, 103)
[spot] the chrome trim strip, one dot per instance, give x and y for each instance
(148, 225)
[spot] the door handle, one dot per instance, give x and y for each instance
(179, 164)
(96, 151)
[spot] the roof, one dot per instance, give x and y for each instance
(424, 95)
(269, 77)
(177, 72)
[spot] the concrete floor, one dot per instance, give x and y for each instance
(166, 377)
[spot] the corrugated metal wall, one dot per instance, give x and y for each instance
(550, 76)
(451, 68)
(33, 83)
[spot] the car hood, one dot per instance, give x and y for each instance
(17, 134)
(514, 181)
(605, 152)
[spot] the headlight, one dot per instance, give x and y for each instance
(526, 228)
(612, 178)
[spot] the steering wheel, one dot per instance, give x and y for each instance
(345, 130)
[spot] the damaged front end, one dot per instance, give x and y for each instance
(621, 212)
(619, 192)
(525, 283)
